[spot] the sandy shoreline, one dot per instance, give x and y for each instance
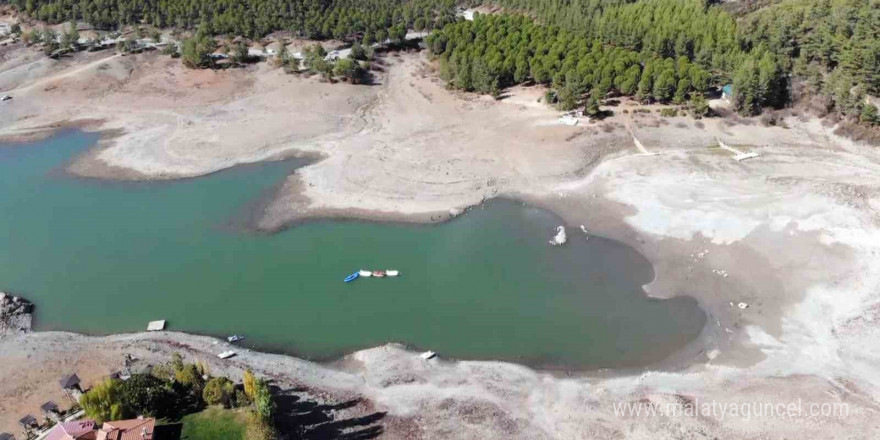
(793, 233)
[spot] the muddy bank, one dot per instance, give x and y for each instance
(449, 399)
(16, 315)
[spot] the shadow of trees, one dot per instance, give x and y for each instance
(305, 419)
(168, 432)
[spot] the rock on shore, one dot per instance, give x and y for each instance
(15, 314)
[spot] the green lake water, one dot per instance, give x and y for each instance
(105, 257)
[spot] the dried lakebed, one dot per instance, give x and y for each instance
(105, 257)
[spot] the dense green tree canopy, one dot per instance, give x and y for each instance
(665, 50)
(251, 18)
(668, 49)
(502, 50)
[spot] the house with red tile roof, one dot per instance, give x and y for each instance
(133, 429)
(76, 430)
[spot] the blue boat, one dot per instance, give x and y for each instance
(351, 277)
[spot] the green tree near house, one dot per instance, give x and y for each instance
(147, 395)
(219, 391)
(664, 87)
(358, 52)
(70, 38)
(746, 95)
(240, 53)
(869, 115)
(349, 69)
(592, 109)
(104, 401)
(698, 106)
(196, 51)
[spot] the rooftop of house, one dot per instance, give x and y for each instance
(49, 406)
(133, 429)
(27, 420)
(76, 430)
(69, 381)
(6, 436)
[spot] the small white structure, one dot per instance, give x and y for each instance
(467, 14)
(428, 355)
(568, 120)
(155, 326)
(560, 237)
(737, 155)
(744, 156)
(226, 354)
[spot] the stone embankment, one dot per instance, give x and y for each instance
(15, 314)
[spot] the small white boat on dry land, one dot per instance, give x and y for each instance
(428, 355)
(226, 354)
(365, 273)
(392, 273)
(5, 98)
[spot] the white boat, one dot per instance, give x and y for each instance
(428, 355)
(392, 273)
(560, 237)
(226, 354)
(235, 338)
(365, 273)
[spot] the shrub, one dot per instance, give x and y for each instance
(104, 401)
(699, 106)
(219, 391)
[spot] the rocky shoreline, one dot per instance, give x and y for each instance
(16, 314)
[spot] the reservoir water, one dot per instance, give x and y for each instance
(105, 257)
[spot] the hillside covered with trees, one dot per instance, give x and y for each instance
(827, 51)
(320, 19)
(663, 50)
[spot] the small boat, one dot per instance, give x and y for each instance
(226, 354)
(428, 355)
(235, 338)
(351, 277)
(392, 273)
(378, 273)
(365, 273)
